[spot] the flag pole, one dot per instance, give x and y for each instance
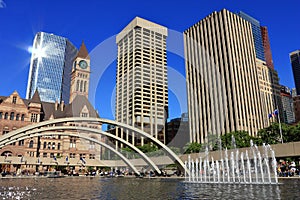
(280, 130)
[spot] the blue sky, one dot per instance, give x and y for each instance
(96, 22)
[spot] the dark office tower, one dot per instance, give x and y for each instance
(295, 61)
(222, 78)
(257, 36)
(50, 67)
(267, 47)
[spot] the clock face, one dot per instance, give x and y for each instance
(83, 64)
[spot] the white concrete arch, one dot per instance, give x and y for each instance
(36, 134)
(6, 138)
(33, 133)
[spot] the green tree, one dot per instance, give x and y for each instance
(193, 147)
(241, 138)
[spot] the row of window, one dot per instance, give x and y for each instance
(11, 116)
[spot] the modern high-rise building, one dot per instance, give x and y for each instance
(142, 85)
(268, 76)
(50, 67)
(269, 90)
(257, 36)
(287, 104)
(295, 61)
(267, 46)
(222, 81)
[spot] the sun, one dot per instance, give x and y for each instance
(38, 52)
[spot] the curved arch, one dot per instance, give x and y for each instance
(6, 137)
(80, 136)
(54, 128)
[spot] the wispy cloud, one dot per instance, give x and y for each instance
(2, 4)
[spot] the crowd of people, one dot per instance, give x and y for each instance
(287, 169)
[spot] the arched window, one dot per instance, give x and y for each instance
(17, 117)
(22, 117)
(31, 144)
(81, 83)
(0, 115)
(21, 143)
(77, 85)
(12, 116)
(84, 86)
(53, 145)
(45, 145)
(49, 145)
(6, 115)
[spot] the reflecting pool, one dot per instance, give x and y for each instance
(136, 188)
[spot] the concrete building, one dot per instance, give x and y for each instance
(269, 90)
(295, 62)
(287, 105)
(50, 67)
(222, 79)
(142, 85)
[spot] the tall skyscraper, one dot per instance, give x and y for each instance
(267, 46)
(50, 67)
(257, 36)
(295, 61)
(268, 76)
(222, 81)
(142, 85)
(269, 90)
(287, 104)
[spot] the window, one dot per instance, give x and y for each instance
(12, 116)
(21, 143)
(72, 155)
(5, 132)
(44, 155)
(92, 156)
(84, 114)
(53, 145)
(45, 145)
(92, 145)
(17, 117)
(34, 117)
(58, 146)
(22, 117)
(81, 82)
(72, 142)
(51, 155)
(84, 86)
(31, 144)
(82, 155)
(49, 145)
(0, 115)
(14, 100)
(6, 115)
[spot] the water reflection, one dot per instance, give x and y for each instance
(132, 188)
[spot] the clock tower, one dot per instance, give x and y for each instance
(80, 76)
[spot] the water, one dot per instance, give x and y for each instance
(134, 188)
(238, 168)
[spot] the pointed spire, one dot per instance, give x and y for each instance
(83, 53)
(36, 97)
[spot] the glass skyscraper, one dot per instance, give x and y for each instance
(50, 67)
(295, 61)
(257, 36)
